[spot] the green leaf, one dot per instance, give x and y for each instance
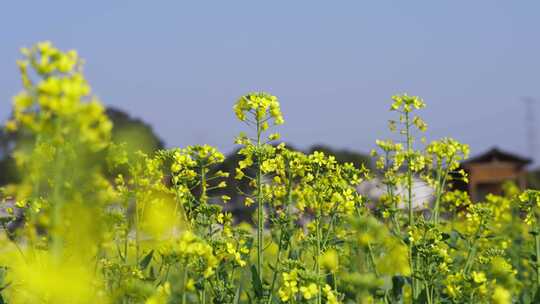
(199, 285)
(146, 260)
(536, 296)
(256, 281)
(152, 274)
(422, 298)
(397, 287)
(237, 295)
(250, 301)
(459, 234)
(293, 254)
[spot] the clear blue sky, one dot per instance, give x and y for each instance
(180, 65)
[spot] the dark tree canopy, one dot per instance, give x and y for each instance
(137, 134)
(344, 155)
(134, 132)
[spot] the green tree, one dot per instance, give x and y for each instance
(136, 134)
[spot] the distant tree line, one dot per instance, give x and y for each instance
(133, 132)
(140, 136)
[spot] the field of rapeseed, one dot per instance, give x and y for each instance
(92, 222)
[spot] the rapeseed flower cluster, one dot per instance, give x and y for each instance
(95, 223)
(262, 106)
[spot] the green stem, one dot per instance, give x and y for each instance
(438, 191)
(409, 171)
(203, 292)
(204, 186)
(58, 201)
(317, 256)
(472, 250)
(126, 237)
(409, 201)
(372, 259)
(260, 207)
(390, 191)
(202, 295)
(537, 245)
(537, 248)
(330, 228)
(428, 294)
(281, 246)
(179, 205)
(137, 236)
(395, 215)
(274, 276)
(441, 181)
